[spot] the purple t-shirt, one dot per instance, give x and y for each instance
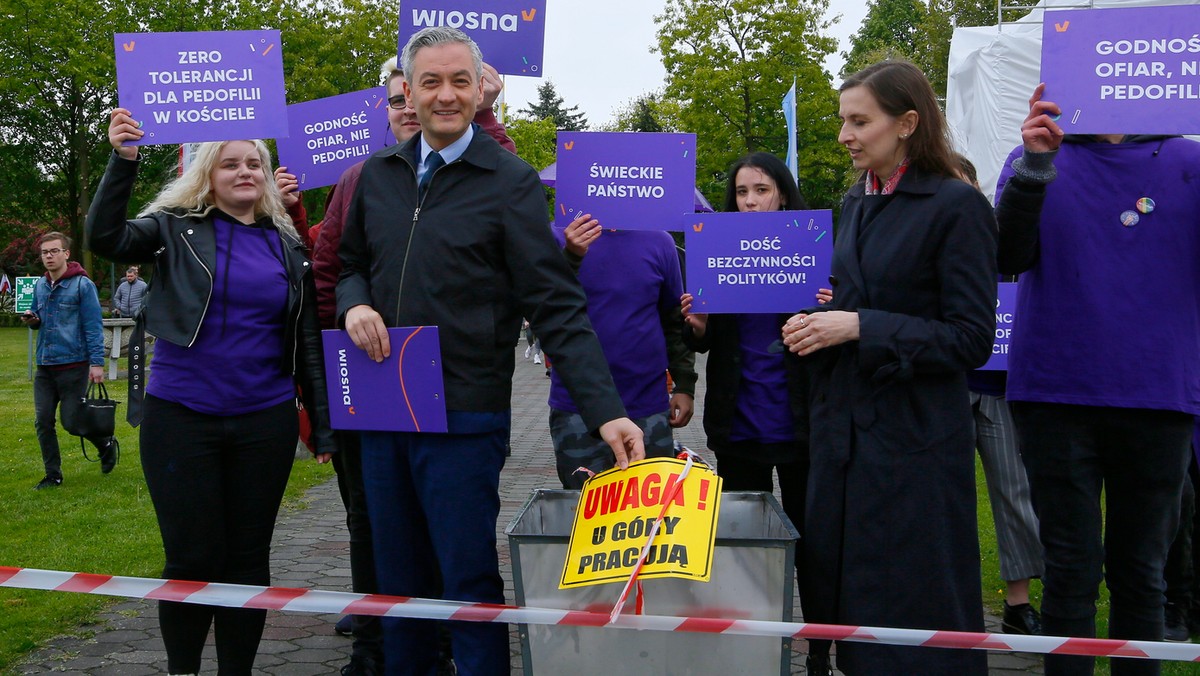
(1110, 313)
(630, 277)
(235, 364)
(763, 413)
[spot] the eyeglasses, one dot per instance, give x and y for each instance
(52, 252)
(397, 102)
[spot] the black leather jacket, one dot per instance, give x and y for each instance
(183, 249)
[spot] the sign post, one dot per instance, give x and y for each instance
(23, 302)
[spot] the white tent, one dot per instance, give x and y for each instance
(992, 72)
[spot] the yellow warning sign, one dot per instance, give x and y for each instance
(616, 514)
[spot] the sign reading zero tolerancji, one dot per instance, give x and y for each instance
(1133, 70)
(205, 86)
(510, 33)
(328, 136)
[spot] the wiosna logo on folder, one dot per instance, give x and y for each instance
(403, 393)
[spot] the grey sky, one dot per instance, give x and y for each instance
(598, 53)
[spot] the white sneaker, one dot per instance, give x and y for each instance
(527, 349)
(537, 358)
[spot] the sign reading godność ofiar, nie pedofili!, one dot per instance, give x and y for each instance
(1127, 70)
(328, 136)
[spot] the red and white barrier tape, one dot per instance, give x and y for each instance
(320, 601)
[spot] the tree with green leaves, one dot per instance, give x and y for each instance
(649, 112)
(937, 28)
(550, 105)
(889, 30)
(729, 64)
(536, 140)
(56, 65)
(58, 81)
(537, 144)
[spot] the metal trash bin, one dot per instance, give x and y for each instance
(753, 576)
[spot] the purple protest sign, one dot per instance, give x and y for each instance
(328, 136)
(404, 393)
(1006, 307)
(211, 86)
(627, 181)
(1133, 70)
(510, 33)
(756, 262)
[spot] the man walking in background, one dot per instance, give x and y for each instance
(127, 299)
(70, 351)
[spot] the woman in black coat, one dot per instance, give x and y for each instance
(891, 525)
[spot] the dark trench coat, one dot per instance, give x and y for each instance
(891, 526)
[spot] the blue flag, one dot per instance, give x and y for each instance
(789, 115)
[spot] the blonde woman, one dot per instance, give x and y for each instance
(233, 307)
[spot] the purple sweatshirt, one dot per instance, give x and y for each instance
(235, 365)
(1109, 312)
(630, 278)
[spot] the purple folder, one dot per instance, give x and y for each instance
(403, 393)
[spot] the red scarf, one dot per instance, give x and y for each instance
(889, 186)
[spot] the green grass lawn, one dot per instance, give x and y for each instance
(92, 523)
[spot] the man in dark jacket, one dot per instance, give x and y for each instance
(367, 657)
(450, 230)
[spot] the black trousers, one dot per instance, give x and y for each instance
(1180, 573)
(347, 462)
(52, 386)
(216, 483)
(1137, 458)
(741, 472)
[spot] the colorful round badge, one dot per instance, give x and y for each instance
(1145, 205)
(1129, 218)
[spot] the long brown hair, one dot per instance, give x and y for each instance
(898, 87)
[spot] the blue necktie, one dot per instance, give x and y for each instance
(431, 165)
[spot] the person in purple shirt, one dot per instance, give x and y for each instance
(633, 282)
(1104, 367)
(750, 413)
(234, 308)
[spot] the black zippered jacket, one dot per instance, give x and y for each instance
(183, 250)
(472, 257)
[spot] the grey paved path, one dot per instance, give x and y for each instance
(311, 550)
